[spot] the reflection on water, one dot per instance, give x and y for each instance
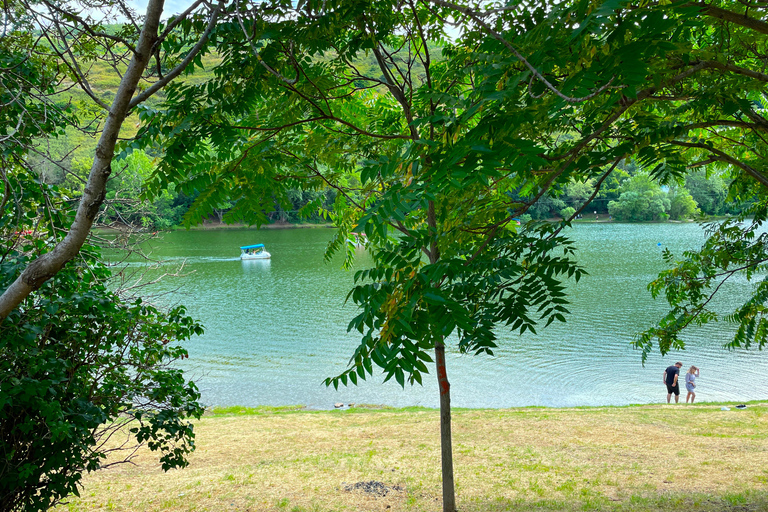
(256, 265)
(276, 328)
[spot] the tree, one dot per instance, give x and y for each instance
(736, 247)
(641, 200)
(79, 363)
(529, 99)
(547, 207)
(57, 29)
(576, 192)
(709, 192)
(445, 161)
(681, 204)
(609, 190)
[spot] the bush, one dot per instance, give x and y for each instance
(77, 364)
(567, 212)
(682, 205)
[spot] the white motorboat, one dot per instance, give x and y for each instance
(254, 252)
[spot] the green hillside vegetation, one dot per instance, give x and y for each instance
(76, 148)
(628, 195)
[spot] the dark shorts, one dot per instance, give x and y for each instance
(673, 389)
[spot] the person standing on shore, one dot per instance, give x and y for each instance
(690, 383)
(670, 379)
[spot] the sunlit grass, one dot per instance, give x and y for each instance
(654, 457)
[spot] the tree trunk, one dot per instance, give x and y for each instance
(446, 447)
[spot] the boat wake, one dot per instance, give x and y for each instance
(164, 262)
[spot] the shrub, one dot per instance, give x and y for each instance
(77, 364)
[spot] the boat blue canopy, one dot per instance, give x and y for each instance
(257, 246)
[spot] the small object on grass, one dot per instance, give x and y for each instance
(373, 487)
(724, 408)
(741, 406)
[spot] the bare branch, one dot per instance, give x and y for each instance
(173, 23)
(149, 91)
(87, 27)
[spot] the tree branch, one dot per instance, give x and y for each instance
(183, 65)
(478, 19)
(733, 17)
(724, 157)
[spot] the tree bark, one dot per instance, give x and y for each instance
(446, 443)
(446, 446)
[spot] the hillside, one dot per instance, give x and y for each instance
(78, 145)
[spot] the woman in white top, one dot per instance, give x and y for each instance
(690, 383)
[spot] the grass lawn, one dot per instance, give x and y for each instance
(652, 457)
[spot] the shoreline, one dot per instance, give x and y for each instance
(215, 225)
(205, 226)
(208, 226)
(242, 410)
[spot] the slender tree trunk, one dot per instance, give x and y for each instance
(47, 265)
(446, 443)
(446, 446)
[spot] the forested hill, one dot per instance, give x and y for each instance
(66, 159)
(628, 195)
(74, 149)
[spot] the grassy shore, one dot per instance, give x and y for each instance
(652, 457)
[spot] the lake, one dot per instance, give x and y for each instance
(276, 329)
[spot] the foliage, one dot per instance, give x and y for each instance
(430, 160)
(434, 192)
(641, 200)
(577, 192)
(610, 190)
(546, 207)
(710, 192)
(681, 204)
(735, 247)
(79, 365)
(515, 282)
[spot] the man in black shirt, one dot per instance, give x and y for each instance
(670, 379)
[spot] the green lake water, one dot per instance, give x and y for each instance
(275, 329)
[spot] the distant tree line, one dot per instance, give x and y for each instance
(128, 205)
(628, 195)
(631, 195)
